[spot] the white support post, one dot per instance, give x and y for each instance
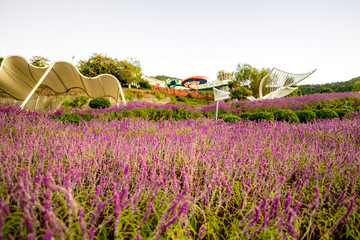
(262, 83)
(36, 86)
(37, 101)
(217, 107)
(62, 100)
(122, 95)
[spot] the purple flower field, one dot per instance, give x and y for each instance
(295, 102)
(190, 179)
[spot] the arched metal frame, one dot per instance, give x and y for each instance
(20, 79)
(280, 83)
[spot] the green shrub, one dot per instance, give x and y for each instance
(181, 114)
(306, 116)
(70, 118)
(129, 96)
(326, 90)
(231, 118)
(75, 102)
(240, 93)
(326, 114)
(141, 112)
(139, 95)
(286, 115)
(115, 114)
(160, 114)
(99, 102)
(145, 84)
(127, 113)
(245, 115)
(180, 99)
(261, 116)
(159, 96)
(341, 112)
(336, 103)
(87, 117)
(318, 105)
(209, 114)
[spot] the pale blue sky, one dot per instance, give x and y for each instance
(191, 37)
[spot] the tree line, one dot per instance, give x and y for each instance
(245, 80)
(347, 86)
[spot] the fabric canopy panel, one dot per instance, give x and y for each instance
(20, 79)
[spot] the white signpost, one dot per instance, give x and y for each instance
(220, 95)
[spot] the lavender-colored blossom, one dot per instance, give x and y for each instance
(265, 174)
(255, 217)
(201, 233)
(183, 209)
(49, 234)
(349, 210)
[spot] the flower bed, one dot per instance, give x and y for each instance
(196, 178)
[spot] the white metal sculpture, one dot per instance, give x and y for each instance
(279, 83)
(20, 79)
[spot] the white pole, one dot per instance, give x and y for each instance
(37, 85)
(122, 95)
(217, 106)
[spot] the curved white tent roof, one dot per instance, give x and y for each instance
(20, 79)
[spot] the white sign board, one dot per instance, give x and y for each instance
(220, 95)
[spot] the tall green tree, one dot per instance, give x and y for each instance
(249, 76)
(356, 87)
(1, 59)
(223, 75)
(326, 90)
(126, 71)
(39, 61)
(240, 93)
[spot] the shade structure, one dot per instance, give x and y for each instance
(279, 83)
(20, 79)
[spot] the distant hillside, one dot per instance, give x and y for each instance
(163, 77)
(346, 86)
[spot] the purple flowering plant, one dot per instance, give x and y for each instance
(189, 179)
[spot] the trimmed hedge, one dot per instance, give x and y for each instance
(306, 116)
(326, 114)
(261, 116)
(341, 112)
(99, 102)
(286, 115)
(231, 118)
(159, 114)
(245, 115)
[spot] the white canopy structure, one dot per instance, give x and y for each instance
(279, 83)
(20, 79)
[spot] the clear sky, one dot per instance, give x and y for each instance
(191, 37)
